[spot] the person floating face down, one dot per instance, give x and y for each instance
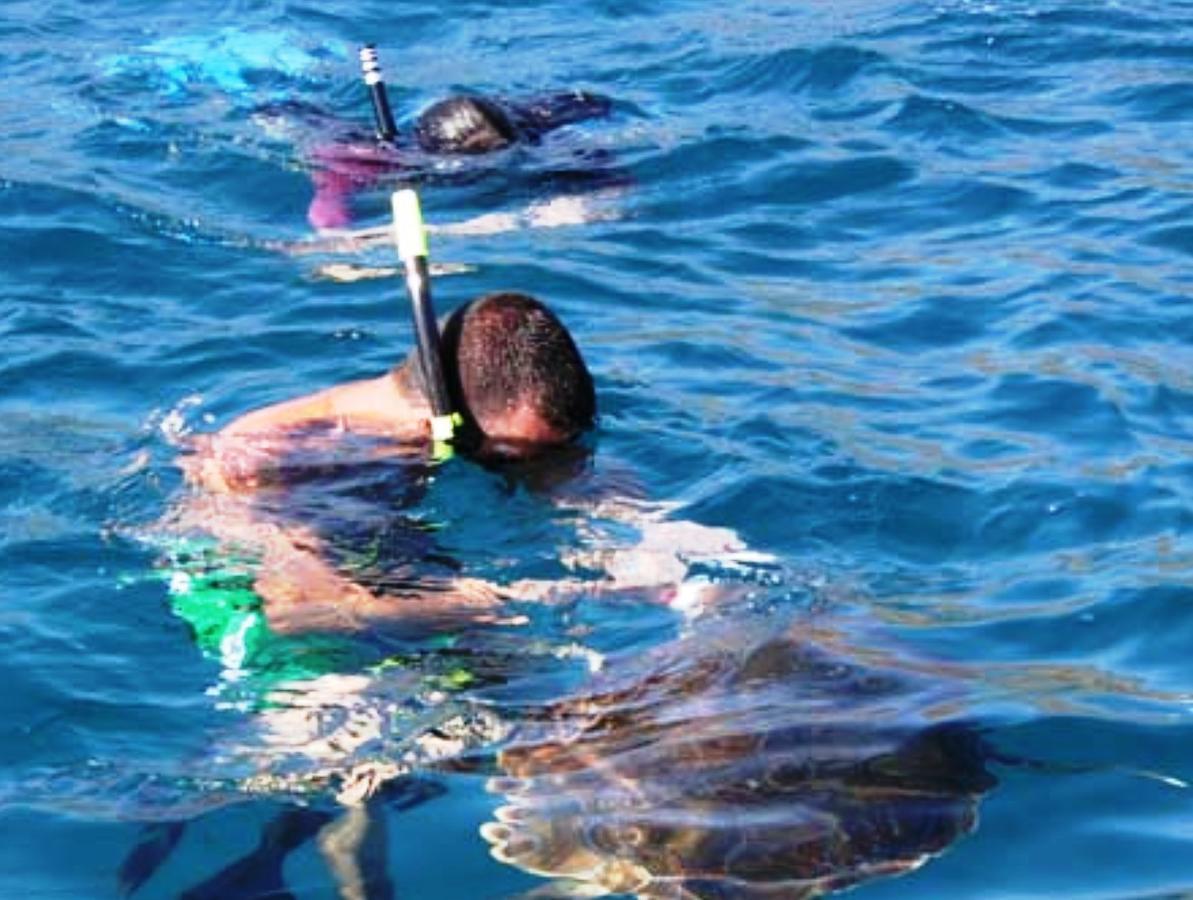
(460, 126)
(521, 385)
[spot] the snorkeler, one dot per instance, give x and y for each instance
(504, 381)
(316, 556)
(445, 144)
(517, 383)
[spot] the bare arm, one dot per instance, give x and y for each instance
(234, 459)
(302, 591)
(237, 482)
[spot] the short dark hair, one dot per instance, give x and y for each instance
(507, 349)
(464, 124)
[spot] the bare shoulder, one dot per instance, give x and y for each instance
(233, 459)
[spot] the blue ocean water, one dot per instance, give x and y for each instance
(900, 292)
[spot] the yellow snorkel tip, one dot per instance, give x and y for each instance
(410, 233)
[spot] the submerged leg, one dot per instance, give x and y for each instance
(156, 844)
(354, 847)
(259, 874)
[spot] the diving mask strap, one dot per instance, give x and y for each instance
(410, 235)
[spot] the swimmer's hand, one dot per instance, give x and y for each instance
(663, 567)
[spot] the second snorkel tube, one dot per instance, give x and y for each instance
(383, 116)
(411, 237)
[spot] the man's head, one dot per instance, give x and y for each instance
(464, 124)
(515, 373)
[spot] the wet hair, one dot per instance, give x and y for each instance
(464, 124)
(507, 350)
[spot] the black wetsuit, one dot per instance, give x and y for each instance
(462, 127)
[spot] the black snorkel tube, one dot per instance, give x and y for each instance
(410, 235)
(383, 116)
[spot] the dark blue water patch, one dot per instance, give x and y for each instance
(1079, 176)
(657, 279)
(771, 235)
(1167, 213)
(815, 182)
(116, 241)
(848, 178)
(24, 319)
(1060, 330)
(920, 521)
(944, 120)
(1101, 47)
(1161, 102)
(679, 464)
(1089, 762)
(954, 384)
(391, 28)
(1068, 21)
(615, 291)
(25, 476)
(820, 72)
(1074, 743)
(934, 323)
(248, 184)
(960, 210)
(912, 519)
(1029, 518)
(1032, 591)
(1159, 621)
(767, 437)
(60, 855)
(1031, 818)
(46, 255)
(133, 140)
(680, 75)
(985, 449)
(1104, 18)
(955, 126)
(781, 265)
(1167, 410)
(993, 83)
(709, 156)
(1106, 220)
(847, 111)
(61, 560)
(724, 359)
(1056, 408)
(78, 373)
(1179, 239)
(652, 248)
(1058, 36)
